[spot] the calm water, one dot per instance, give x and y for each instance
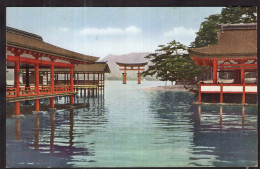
(133, 127)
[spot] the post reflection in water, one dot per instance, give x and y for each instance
(36, 136)
(220, 116)
(243, 116)
(17, 129)
(71, 127)
(52, 118)
(199, 112)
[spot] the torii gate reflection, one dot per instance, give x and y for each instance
(132, 66)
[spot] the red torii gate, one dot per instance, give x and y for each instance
(132, 66)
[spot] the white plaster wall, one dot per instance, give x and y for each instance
(251, 88)
(10, 77)
(210, 88)
(232, 88)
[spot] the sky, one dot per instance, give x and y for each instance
(99, 31)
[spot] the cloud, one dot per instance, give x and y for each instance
(110, 31)
(63, 29)
(181, 34)
(178, 31)
(132, 29)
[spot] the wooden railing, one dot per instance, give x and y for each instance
(61, 89)
(45, 90)
(30, 91)
(10, 92)
(27, 91)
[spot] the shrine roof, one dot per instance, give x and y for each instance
(234, 41)
(29, 41)
(97, 67)
(131, 64)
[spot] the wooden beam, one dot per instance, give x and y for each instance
(131, 69)
(10, 58)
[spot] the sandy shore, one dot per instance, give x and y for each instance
(170, 88)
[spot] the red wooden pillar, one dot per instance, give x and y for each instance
(124, 76)
(98, 82)
(17, 86)
(36, 75)
(103, 83)
(215, 78)
(244, 93)
(221, 92)
(52, 102)
(52, 86)
(71, 84)
(84, 74)
(242, 76)
(52, 78)
(88, 84)
(199, 92)
(139, 76)
(94, 79)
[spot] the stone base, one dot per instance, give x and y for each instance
(21, 116)
(37, 112)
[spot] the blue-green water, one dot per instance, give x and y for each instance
(131, 127)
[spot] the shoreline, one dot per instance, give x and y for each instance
(170, 88)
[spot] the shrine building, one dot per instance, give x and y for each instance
(27, 51)
(235, 53)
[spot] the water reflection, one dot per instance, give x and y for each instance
(52, 125)
(17, 129)
(229, 119)
(36, 136)
(220, 135)
(154, 128)
(231, 139)
(170, 108)
(61, 134)
(71, 127)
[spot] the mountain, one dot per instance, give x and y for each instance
(127, 58)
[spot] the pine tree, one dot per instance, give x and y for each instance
(171, 63)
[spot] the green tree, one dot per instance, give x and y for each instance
(207, 34)
(171, 63)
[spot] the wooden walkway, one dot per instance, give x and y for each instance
(23, 98)
(85, 86)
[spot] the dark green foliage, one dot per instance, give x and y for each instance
(207, 34)
(170, 64)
